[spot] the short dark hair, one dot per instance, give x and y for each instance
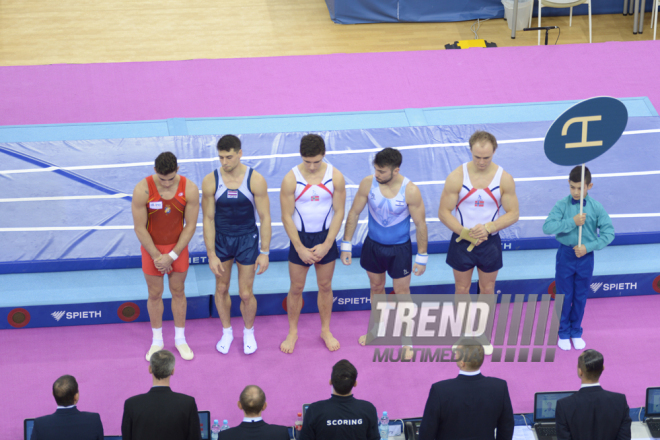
(65, 389)
(252, 400)
(576, 175)
(481, 136)
(591, 364)
(343, 377)
(166, 163)
(472, 353)
(229, 142)
(388, 157)
(312, 145)
(162, 364)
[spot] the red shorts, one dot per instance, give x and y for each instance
(180, 265)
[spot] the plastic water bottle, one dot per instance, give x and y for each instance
(384, 426)
(215, 429)
(225, 425)
(297, 427)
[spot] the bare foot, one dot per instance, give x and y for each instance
(289, 343)
(363, 340)
(330, 341)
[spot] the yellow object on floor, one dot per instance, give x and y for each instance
(467, 44)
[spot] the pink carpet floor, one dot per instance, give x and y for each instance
(326, 83)
(108, 361)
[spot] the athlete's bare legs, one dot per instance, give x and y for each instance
(377, 287)
(294, 303)
(222, 299)
(155, 286)
(324, 274)
(248, 301)
(487, 282)
(463, 280)
(179, 303)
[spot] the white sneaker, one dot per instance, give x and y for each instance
(564, 344)
(578, 343)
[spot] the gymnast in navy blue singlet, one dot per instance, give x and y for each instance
(232, 198)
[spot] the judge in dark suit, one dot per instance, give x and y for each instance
(67, 422)
(252, 402)
(592, 412)
(470, 406)
(161, 414)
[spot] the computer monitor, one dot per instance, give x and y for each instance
(28, 426)
(205, 424)
(545, 405)
(652, 408)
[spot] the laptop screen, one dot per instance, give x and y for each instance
(653, 402)
(545, 405)
(205, 424)
(28, 426)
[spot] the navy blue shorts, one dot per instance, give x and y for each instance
(243, 248)
(309, 240)
(395, 259)
(487, 256)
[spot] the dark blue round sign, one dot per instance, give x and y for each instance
(585, 131)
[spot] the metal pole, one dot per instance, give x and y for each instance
(636, 9)
(582, 188)
(515, 18)
(641, 17)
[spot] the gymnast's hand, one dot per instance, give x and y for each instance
(164, 263)
(346, 257)
(418, 269)
(322, 249)
(216, 265)
(479, 232)
(307, 256)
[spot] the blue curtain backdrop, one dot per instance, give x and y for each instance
(393, 11)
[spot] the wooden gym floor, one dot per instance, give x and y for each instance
(93, 31)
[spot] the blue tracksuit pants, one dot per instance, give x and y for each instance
(573, 280)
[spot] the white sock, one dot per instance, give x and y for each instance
(249, 343)
(225, 342)
(179, 335)
(158, 337)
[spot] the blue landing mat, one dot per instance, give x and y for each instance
(70, 204)
(106, 296)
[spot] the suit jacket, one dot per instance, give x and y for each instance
(593, 413)
(66, 424)
(160, 414)
(255, 431)
(468, 407)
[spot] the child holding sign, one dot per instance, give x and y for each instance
(575, 262)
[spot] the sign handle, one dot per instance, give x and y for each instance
(582, 185)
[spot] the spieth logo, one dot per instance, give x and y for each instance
(595, 287)
(76, 315)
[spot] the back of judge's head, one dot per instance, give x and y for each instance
(161, 364)
(469, 354)
(344, 377)
(590, 365)
(65, 390)
(252, 400)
